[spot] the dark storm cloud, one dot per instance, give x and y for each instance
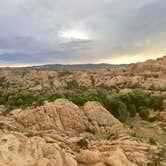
(30, 30)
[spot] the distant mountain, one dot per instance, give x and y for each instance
(80, 65)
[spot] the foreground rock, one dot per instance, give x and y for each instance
(18, 150)
(63, 115)
(63, 134)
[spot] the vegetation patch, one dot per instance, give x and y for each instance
(122, 106)
(83, 143)
(152, 141)
(64, 73)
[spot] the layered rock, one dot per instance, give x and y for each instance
(62, 134)
(150, 75)
(65, 116)
(18, 150)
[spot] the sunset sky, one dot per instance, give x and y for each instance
(34, 32)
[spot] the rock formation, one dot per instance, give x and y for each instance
(62, 134)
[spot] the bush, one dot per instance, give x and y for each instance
(140, 98)
(92, 131)
(152, 141)
(64, 73)
(55, 96)
(156, 102)
(152, 119)
(72, 85)
(119, 109)
(132, 110)
(144, 113)
(83, 143)
(121, 106)
(76, 97)
(123, 115)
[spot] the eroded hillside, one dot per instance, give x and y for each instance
(149, 75)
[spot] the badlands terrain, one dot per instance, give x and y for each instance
(149, 75)
(77, 116)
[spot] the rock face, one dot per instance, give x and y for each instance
(63, 115)
(18, 150)
(62, 134)
(96, 158)
(102, 121)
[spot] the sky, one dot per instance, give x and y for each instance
(35, 32)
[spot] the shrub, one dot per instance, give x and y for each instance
(119, 109)
(55, 96)
(72, 85)
(83, 143)
(152, 119)
(133, 134)
(140, 98)
(144, 113)
(76, 97)
(156, 102)
(64, 73)
(1, 125)
(132, 110)
(92, 131)
(152, 141)
(123, 115)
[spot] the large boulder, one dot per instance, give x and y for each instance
(110, 158)
(18, 150)
(60, 115)
(63, 115)
(118, 158)
(104, 123)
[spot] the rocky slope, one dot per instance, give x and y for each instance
(63, 134)
(147, 75)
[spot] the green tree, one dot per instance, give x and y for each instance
(119, 109)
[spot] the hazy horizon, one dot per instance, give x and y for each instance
(38, 32)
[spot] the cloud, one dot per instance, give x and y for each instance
(29, 31)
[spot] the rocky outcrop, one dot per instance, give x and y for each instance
(105, 125)
(150, 75)
(96, 158)
(62, 134)
(18, 150)
(63, 115)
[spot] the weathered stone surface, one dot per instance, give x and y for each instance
(118, 158)
(105, 125)
(63, 115)
(89, 157)
(49, 135)
(18, 150)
